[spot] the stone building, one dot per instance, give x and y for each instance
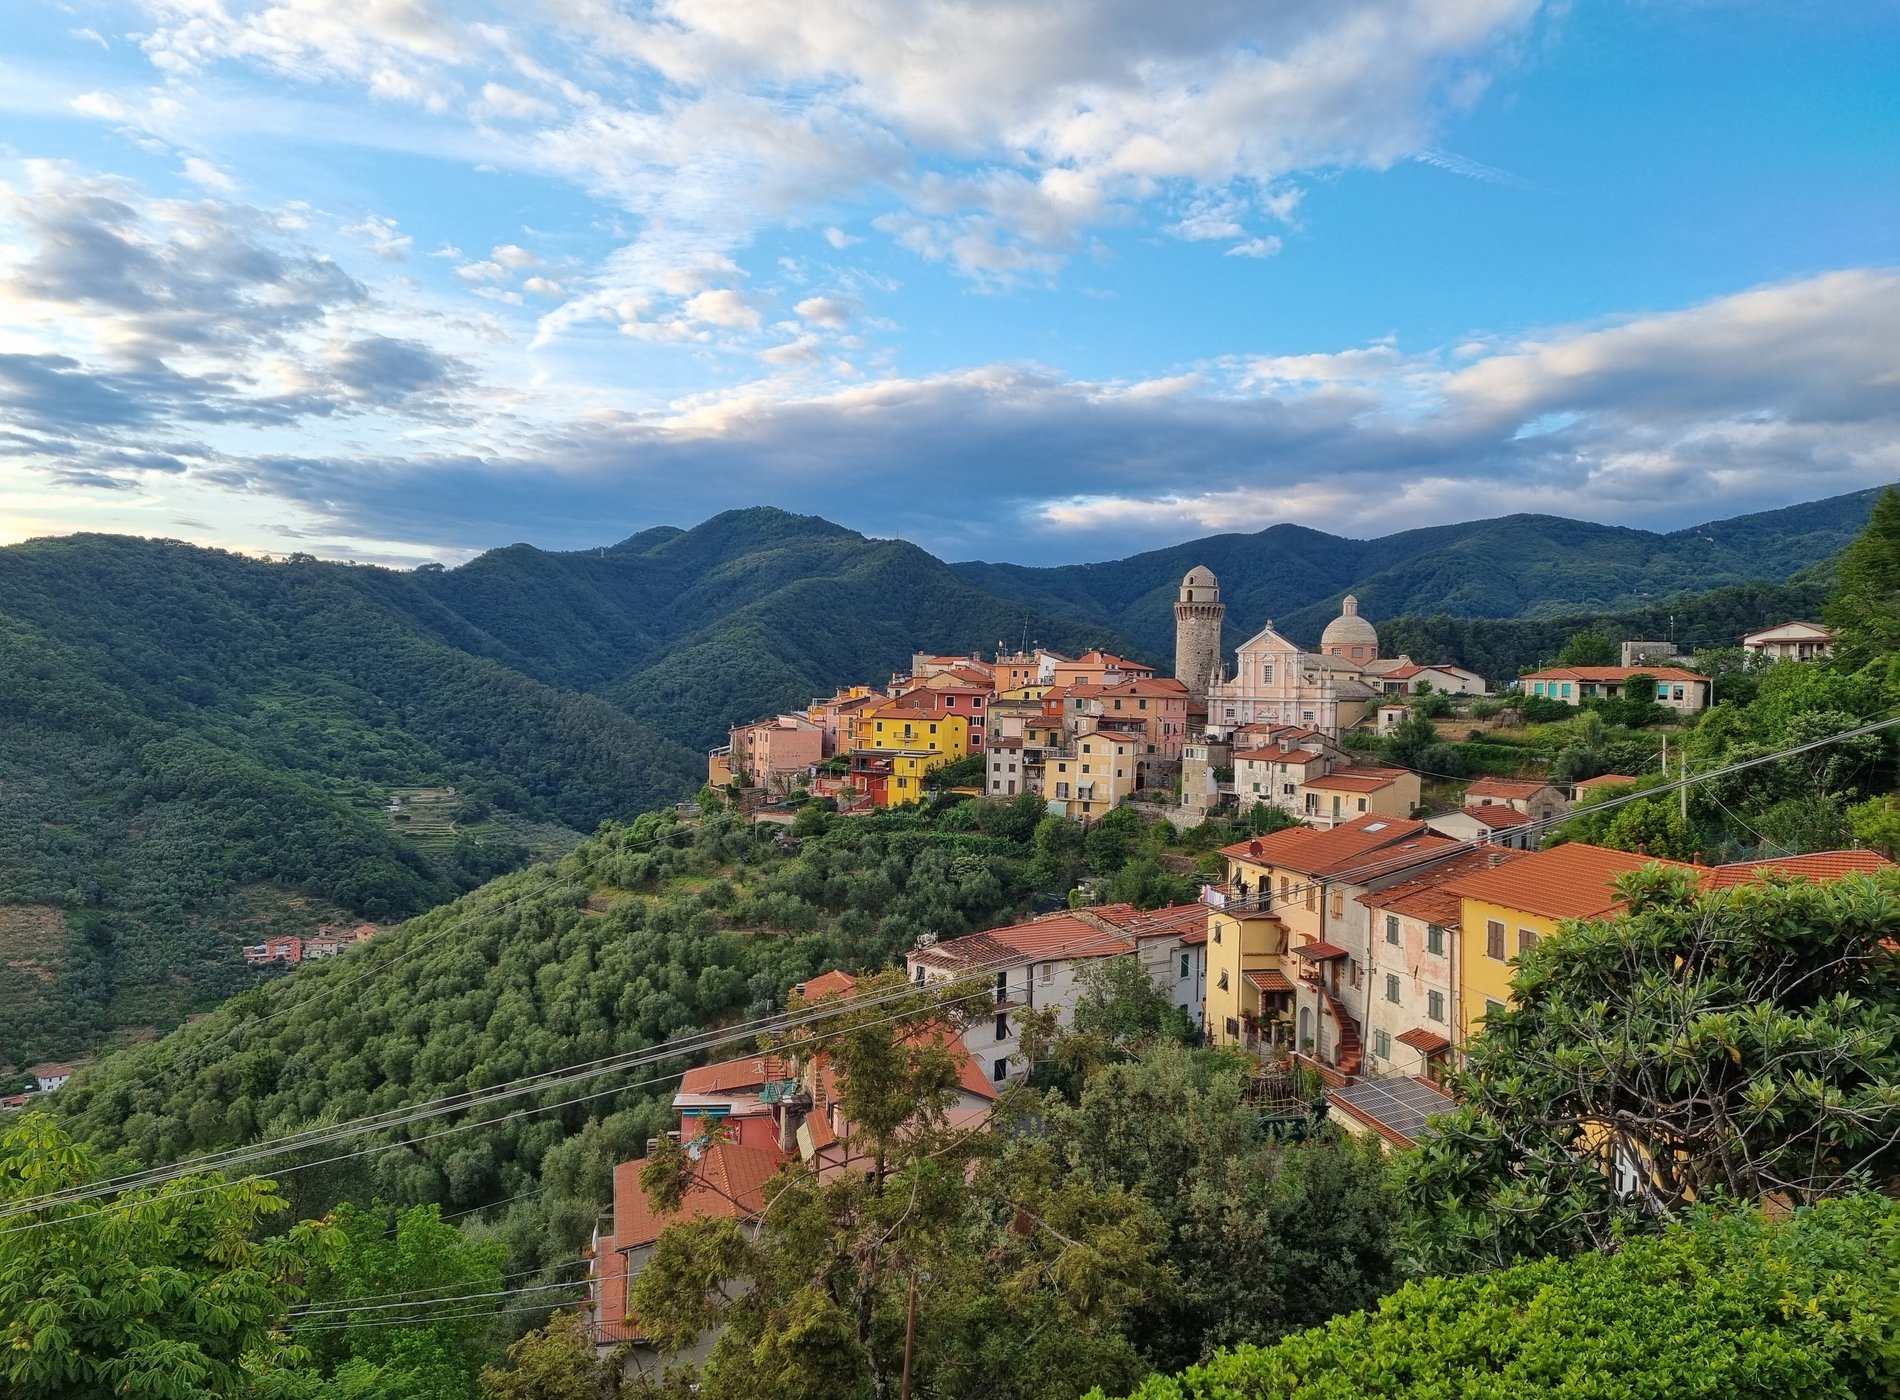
(1197, 622)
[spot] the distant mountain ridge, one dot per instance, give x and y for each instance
(1515, 566)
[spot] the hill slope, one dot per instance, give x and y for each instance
(192, 742)
(1516, 566)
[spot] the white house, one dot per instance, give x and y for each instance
(1791, 641)
(1048, 955)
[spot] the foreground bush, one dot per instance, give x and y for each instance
(1723, 1306)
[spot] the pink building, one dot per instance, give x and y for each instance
(773, 751)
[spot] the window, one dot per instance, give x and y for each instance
(1435, 1006)
(1000, 1071)
(1243, 890)
(1062, 790)
(1391, 928)
(1286, 887)
(1677, 692)
(1266, 676)
(1184, 965)
(1494, 939)
(1435, 940)
(920, 976)
(1002, 986)
(1223, 981)
(1566, 690)
(1048, 973)
(1391, 986)
(1362, 804)
(1492, 1006)
(1382, 1045)
(1339, 904)
(1526, 940)
(1002, 1027)
(1312, 896)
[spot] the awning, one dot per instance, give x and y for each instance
(1321, 952)
(1424, 1041)
(1271, 980)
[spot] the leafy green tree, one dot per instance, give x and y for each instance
(1651, 827)
(1876, 823)
(1728, 1305)
(1120, 1006)
(1110, 840)
(1058, 860)
(1411, 738)
(386, 1317)
(1738, 1043)
(1264, 1236)
(1590, 647)
(1019, 1284)
(1147, 884)
(555, 1362)
(164, 1294)
(1865, 608)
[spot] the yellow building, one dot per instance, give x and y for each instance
(1096, 774)
(1505, 910)
(1290, 916)
(903, 740)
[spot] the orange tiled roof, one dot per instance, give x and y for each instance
(1426, 897)
(1300, 756)
(833, 983)
(729, 1181)
(1604, 780)
(1820, 865)
(1154, 923)
(1505, 788)
(1565, 882)
(731, 1076)
(1361, 845)
(1496, 814)
(1357, 779)
(1269, 980)
(1063, 934)
(1424, 1041)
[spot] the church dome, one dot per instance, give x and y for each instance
(1348, 631)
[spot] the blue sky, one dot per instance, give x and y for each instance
(400, 280)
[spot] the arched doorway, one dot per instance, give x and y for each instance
(1306, 1029)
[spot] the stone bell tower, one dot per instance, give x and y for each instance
(1197, 623)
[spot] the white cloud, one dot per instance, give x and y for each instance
(499, 101)
(202, 172)
(1256, 247)
(542, 287)
(384, 237)
(513, 255)
(481, 271)
(839, 239)
(105, 106)
(829, 311)
(723, 307)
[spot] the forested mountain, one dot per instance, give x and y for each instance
(197, 749)
(1518, 566)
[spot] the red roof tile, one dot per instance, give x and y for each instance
(1425, 896)
(1424, 1041)
(1319, 951)
(1270, 980)
(1604, 780)
(730, 1076)
(1610, 674)
(1496, 814)
(1504, 787)
(1565, 882)
(1820, 865)
(833, 983)
(1358, 779)
(1344, 848)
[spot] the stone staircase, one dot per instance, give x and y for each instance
(1348, 1051)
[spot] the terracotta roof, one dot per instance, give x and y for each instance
(1496, 814)
(1194, 939)
(1175, 919)
(833, 983)
(1504, 787)
(1320, 951)
(1357, 779)
(1315, 852)
(1270, 980)
(1820, 865)
(1425, 896)
(1063, 934)
(1604, 780)
(728, 1181)
(729, 1076)
(1424, 1041)
(1604, 674)
(1565, 882)
(1301, 756)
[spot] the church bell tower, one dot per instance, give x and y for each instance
(1197, 622)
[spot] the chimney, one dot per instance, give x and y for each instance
(792, 1111)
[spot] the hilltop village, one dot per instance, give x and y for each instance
(1357, 947)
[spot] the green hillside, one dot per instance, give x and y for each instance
(1519, 566)
(191, 740)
